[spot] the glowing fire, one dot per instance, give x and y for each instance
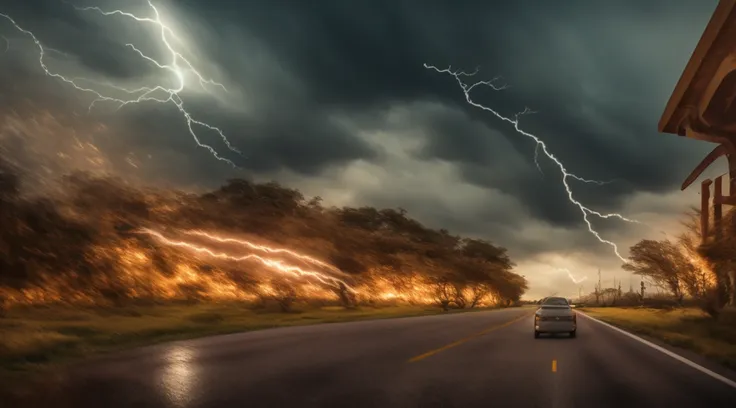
(137, 275)
(140, 278)
(702, 265)
(184, 263)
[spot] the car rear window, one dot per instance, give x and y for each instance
(555, 302)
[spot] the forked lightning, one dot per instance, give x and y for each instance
(540, 145)
(177, 66)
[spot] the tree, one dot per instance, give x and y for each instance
(479, 291)
(443, 291)
(662, 261)
(346, 297)
(80, 238)
(712, 286)
(459, 295)
(679, 269)
(720, 251)
(285, 294)
(486, 252)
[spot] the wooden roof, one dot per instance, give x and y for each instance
(717, 43)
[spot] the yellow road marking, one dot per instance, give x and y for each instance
(554, 366)
(463, 340)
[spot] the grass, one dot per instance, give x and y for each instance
(688, 328)
(41, 338)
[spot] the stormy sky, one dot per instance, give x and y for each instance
(332, 98)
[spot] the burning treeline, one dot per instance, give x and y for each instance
(99, 240)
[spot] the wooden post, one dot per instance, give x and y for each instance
(704, 209)
(731, 173)
(717, 206)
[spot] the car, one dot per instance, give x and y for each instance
(555, 315)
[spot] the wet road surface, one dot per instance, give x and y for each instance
(479, 359)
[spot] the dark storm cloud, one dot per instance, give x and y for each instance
(60, 27)
(289, 131)
(486, 157)
(598, 73)
(303, 140)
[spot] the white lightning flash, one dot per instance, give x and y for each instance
(572, 277)
(177, 66)
(540, 145)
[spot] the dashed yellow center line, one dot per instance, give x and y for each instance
(463, 340)
(554, 366)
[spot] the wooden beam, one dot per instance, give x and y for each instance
(719, 151)
(727, 200)
(717, 205)
(704, 209)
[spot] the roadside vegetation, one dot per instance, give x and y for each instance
(100, 240)
(685, 327)
(93, 263)
(687, 297)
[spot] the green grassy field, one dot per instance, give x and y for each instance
(688, 328)
(37, 338)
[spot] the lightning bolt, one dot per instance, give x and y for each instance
(540, 146)
(573, 278)
(177, 66)
(276, 265)
(264, 248)
(7, 43)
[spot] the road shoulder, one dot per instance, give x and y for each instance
(693, 357)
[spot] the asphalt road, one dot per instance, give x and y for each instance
(482, 359)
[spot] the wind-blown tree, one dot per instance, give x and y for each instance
(697, 280)
(662, 262)
(719, 250)
(479, 291)
(444, 291)
(76, 234)
(679, 268)
(486, 252)
(489, 271)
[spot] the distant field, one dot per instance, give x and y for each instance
(688, 328)
(36, 338)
